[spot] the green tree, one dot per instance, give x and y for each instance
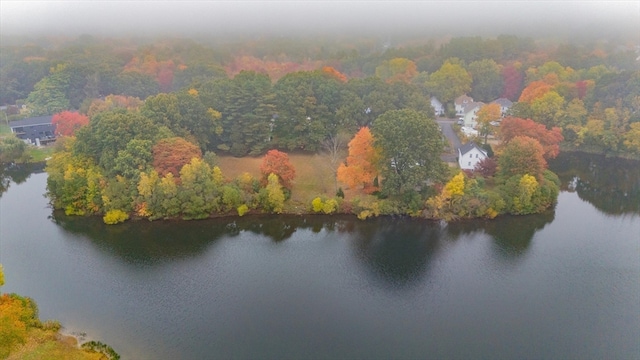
(198, 192)
(11, 149)
(1, 275)
(409, 144)
(449, 82)
(487, 82)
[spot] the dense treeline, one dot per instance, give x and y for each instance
(591, 90)
(151, 117)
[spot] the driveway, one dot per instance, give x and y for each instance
(454, 141)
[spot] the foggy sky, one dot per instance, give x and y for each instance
(305, 17)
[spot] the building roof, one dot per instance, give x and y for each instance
(472, 106)
(468, 147)
(463, 99)
(40, 120)
(504, 102)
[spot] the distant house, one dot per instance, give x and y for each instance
(470, 114)
(438, 108)
(505, 105)
(461, 102)
(37, 130)
(469, 155)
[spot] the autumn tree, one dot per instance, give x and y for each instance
(112, 102)
(522, 155)
(332, 72)
(533, 91)
(547, 109)
(550, 140)
(277, 162)
(397, 69)
(487, 114)
(450, 81)
(360, 165)
(512, 79)
(171, 154)
(68, 122)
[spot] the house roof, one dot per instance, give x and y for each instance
(504, 102)
(472, 106)
(435, 100)
(40, 120)
(463, 99)
(470, 146)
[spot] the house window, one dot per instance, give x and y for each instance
(470, 155)
(469, 163)
(476, 156)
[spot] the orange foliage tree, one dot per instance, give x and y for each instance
(334, 74)
(68, 122)
(112, 102)
(533, 91)
(170, 154)
(277, 162)
(359, 168)
(522, 155)
(550, 140)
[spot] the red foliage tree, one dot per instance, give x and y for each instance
(170, 154)
(277, 162)
(581, 87)
(68, 122)
(512, 79)
(550, 140)
(487, 167)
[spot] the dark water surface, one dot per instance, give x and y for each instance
(564, 284)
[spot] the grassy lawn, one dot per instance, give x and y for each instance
(39, 154)
(314, 176)
(4, 129)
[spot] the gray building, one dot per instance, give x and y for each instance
(37, 130)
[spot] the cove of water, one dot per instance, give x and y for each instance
(562, 284)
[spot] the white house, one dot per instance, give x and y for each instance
(437, 106)
(469, 155)
(461, 102)
(505, 105)
(470, 114)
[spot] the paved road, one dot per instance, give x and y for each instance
(454, 141)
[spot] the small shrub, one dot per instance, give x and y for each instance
(242, 209)
(340, 193)
(113, 217)
(317, 205)
(53, 325)
(330, 206)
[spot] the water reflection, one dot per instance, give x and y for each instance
(511, 235)
(397, 250)
(612, 185)
(17, 173)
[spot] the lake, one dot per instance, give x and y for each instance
(562, 284)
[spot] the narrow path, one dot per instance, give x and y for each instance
(454, 141)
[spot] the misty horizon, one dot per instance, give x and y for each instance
(601, 19)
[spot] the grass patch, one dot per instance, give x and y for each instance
(5, 129)
(38, 154)
(314, 176)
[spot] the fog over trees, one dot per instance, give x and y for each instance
(287, 18)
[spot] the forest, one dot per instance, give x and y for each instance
(141, 123)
